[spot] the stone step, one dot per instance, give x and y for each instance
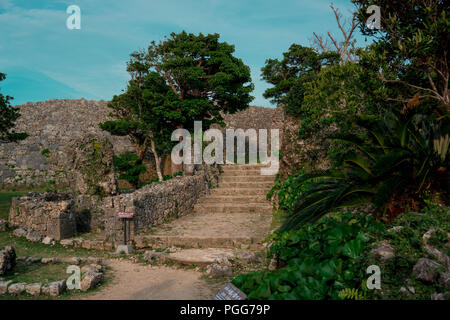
(233, 208)
(157, 242)
(247, 185)
(236, 198)
(240, 191)
(200, 257)
(258, 166)
(206, 256)
(269, 179)
(232, 173)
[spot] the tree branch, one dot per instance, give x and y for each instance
(320, 42)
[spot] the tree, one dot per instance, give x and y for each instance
(346, 47)
(413, 47)
(130, 167)
(184, 78)
(203, 74)
(144, 113)
(299, 65)
(8, 117)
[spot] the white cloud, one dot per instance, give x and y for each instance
(92, 60)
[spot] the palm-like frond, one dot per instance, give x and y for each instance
(403, 154)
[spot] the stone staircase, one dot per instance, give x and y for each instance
(236, 215)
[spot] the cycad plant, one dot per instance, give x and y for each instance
(404, 156)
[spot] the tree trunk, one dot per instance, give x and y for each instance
(157, 161)
(140, 151)
(177, 167)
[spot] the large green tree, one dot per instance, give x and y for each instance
(289, 75)
(8, 117)
(145, 114)
(412, 49)
(181, 79)
(323, 93)
(203, 74)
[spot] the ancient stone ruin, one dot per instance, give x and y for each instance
(91, 269)
(67, 151)
(51, 214)
(57, 129)
(7, 260)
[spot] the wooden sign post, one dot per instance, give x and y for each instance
(125, 217)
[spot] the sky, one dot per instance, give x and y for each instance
(44, 60)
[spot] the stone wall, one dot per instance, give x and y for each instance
(159, 202)
(302, 154)
(46, 157)
(61, 215)
(255, 117)
(49, 214)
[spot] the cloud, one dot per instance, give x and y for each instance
(91, 61)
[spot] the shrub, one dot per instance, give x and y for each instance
(288, 191)
(329, 259)
(319, 260)
(45, 153)
(393, 170)
(130, 167)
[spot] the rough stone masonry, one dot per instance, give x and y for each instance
(60, 215)
(67, 148)
(57, 128)
(47, 155)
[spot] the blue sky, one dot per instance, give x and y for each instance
(45, 60)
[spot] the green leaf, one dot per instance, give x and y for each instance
(353, 248)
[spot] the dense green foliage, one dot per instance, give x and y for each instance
(412, 49)
(130, 167)
(288, 191)
(382, 121)
(408, 248)
(300, 80)
(389, 111)
(288, 76)
(8, 117)
(319, 260)
(393, 170)
(328, 260)
(203, 75)
(325, 95)
(184, 78)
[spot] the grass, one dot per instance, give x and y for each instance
(68, 294)
(41, 273)
(25, 248)
(37, 272)
(45, 273)
(5, 202)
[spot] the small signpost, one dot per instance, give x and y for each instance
(230, 292)
(126, 217)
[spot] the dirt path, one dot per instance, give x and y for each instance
(235, 216)
(144, 282)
